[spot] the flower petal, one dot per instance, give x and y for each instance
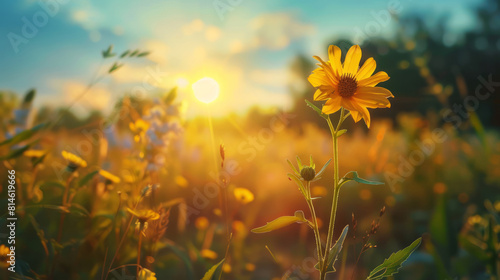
(353, 106)
(334, 55)
(351, 63)
(356, 116)
(372, 101)
(318, 78)
(328, 69)
(332, 105)
(374, 80)
(367, 69)
(374, 90)
(321, 94)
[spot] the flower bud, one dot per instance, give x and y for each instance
(307, 173)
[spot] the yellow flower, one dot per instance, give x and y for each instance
(201, 223)
(146, 274)
(74, 161)
(4, 250)
(243, 195)
(139, 128)
(181, 181)
(208, 254)
(144, 215)
(349, 86)
(109, 177)
(34, 153)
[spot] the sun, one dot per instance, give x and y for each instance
(206, 90)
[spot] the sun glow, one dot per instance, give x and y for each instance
(206, 90)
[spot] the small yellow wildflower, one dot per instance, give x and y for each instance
(4, 250)
(34, 153)
(146, 274)
(73, 160)
(144, 215)
(349, 86)
(110, 178)
(201, 223)
(181, 181)
(243, 195)
(208, 254)
(139, 128)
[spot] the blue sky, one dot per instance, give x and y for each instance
(245, 45)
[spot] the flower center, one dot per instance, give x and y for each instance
(347, 85)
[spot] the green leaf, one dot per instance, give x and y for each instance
(280, 222)
(210, 275)
(170, 97)
(23, 135)
(335, 251)
(87, 178)
(300, 214)
(391, 265)
(108, 53)
(28, 98)
(52, 184)
(323, 168)
(124, 54)
(15, 153)
(299, 163)
(311, 162)
(77, 209)
(143, 54)
(184, 257)
(356, 178)
(39, 160)
(318, 110)
(134, 53)
(340, 132)
(115, 67)
(442, 232)
(492, 237)
(59, 208)
(293, 168)
(297, 181)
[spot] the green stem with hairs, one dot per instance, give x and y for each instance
(336, 191)
(315, 223)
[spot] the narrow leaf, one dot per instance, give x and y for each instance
(297, 181)
(356, 178)
(108, 53)
(115, 67)
(16, 153)
(279, 223)
(340, 132)
(87, 178)
(170, 96)
(143, 54)
(293, 168)
(335, 251)
(318, 110)
(134, 53)
(210, 275)
(124, 54)
(28, 98)
(23, 135)
(391, 265)
(323, 168)
(299, 163)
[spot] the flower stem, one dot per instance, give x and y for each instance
(139, 249)
(336, 190)
(315, 222)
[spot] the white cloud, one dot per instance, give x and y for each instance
(276, 31)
